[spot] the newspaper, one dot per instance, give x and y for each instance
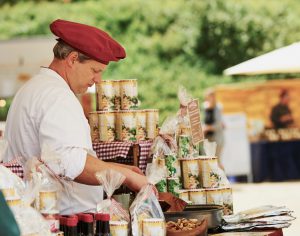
(263, 217)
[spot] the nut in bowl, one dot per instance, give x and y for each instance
(187, 227)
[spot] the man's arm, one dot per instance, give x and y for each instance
(133, 168)
(133, 180)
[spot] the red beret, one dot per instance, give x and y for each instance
(89, 40)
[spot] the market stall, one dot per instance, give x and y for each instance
(254, 101)
(192, 194)
(275, 161)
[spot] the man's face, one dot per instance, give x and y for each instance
(211, 98)
(84, 75)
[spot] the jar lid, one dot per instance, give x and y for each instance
(105, 81)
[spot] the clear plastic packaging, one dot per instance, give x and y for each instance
(45, 185)
(146, 205)
(165, 143)
(111, 180)
(11, 185)
(31, 222)
(183, 96)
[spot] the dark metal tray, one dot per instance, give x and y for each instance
(213, 214)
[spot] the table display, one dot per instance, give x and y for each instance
(131, 153)
(185, 169)
(190, 175)
(275, 161)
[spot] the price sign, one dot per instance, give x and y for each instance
(194, 116)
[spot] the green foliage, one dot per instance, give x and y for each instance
(4, 110)
(231, 32)
(168, 43)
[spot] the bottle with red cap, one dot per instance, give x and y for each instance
(79, 225)
(87, 227)
(71, 226)
(102, 224)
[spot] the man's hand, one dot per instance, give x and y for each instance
(135, 181)
(286, 118)
(136, 170)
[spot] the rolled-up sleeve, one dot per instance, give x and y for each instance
(72, 162)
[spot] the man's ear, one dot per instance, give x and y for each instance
(72, 58)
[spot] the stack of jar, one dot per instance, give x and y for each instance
(117, 117)
(172, 182)
(195, 179)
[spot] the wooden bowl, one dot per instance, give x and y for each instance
(200, 230)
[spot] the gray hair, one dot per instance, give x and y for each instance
(61, 50)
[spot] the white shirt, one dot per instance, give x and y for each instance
(46, 111)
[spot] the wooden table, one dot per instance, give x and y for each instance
(274, 232)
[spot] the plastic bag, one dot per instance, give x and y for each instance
(31, 222)
(165, 142)
(111, 180)
(146, 205)
(46, 185)
(11, 185)
(183, 96)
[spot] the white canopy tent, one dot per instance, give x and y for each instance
(282, 60)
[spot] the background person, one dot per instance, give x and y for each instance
(46, 111)
(281, 115)
(213, 121)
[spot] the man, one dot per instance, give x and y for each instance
(45, 111)
(281, 115)
(213, 121)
